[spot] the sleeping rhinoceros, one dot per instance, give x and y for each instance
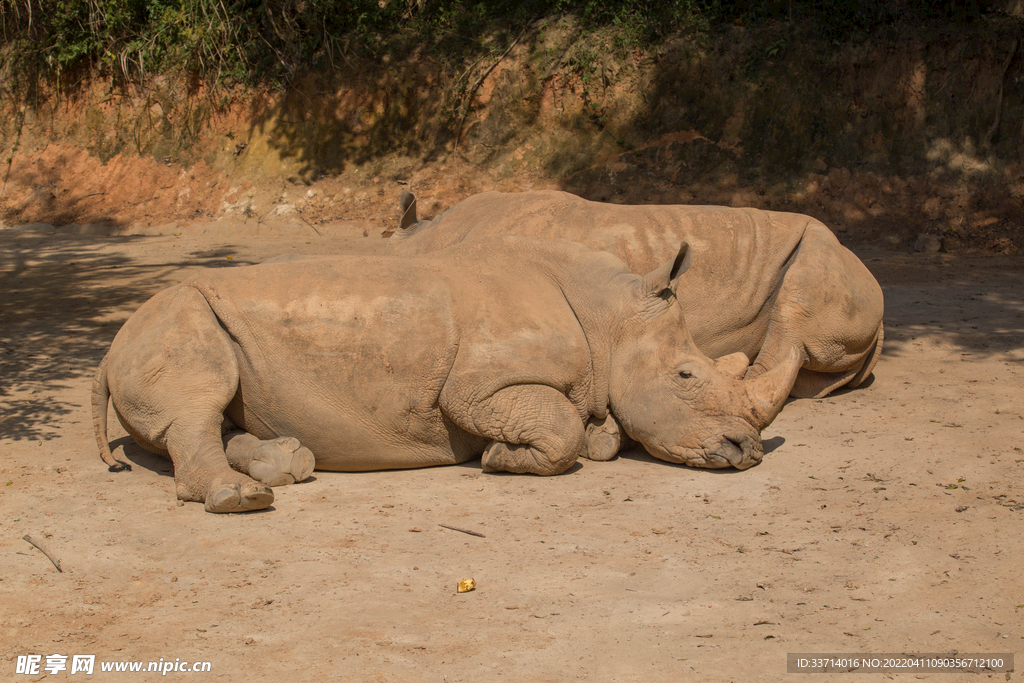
(501, 347)
(763, 282)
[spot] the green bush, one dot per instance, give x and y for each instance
(272, 40)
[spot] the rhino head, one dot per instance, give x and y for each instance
(680, 404)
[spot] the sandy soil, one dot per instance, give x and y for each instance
(884, 519)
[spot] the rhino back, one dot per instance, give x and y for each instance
(740, 255)
(349, 355)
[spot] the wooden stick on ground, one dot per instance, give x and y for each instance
(51, 558)
(465, 531)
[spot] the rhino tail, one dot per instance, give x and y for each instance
(407, 204)
(100, 399)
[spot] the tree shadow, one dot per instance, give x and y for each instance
(65, 296)
(975, 303)
(358, 113)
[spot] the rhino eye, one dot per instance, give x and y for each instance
(685, 375)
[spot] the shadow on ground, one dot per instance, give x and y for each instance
(973, 303)
(64, 298)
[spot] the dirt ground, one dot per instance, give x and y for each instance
(884, 519)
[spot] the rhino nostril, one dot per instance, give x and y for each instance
(731, 449)
(742, 451)
(734, 450)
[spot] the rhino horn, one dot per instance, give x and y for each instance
(768, 392)
(407, 204)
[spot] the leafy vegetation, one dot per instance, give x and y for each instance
(270, 41)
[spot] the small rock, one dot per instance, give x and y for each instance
(929, 244)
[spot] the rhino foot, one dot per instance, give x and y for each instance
(501, 457)
(281, 461)
(605, 438)
(522, 459)
(228, 494)
(275, 462)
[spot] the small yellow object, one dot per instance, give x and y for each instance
(467, 585)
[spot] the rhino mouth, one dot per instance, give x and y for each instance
(741, 451)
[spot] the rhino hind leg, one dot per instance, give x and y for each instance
(275, 462)
(172, 372)
(830, 307)
(205, 477)
(201, 470)
(872, 359)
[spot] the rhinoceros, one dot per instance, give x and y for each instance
(503, 348)
(764, 283)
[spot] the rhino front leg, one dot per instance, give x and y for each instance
(275, 462)
(535, 429)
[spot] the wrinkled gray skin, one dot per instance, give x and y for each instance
(763, 283)
(502, 347)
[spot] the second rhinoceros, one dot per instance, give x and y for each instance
(502, 347)
(764, 283)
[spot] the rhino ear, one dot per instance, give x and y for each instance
(407, 205)
(661, 278)
(734, 365)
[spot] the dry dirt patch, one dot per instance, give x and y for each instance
(883, 519)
